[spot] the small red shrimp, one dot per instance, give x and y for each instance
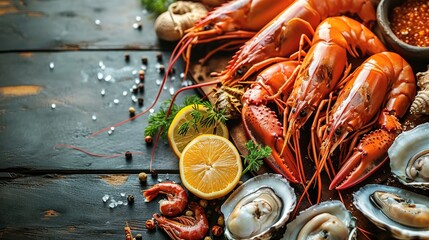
(177, 198)
(185, 227)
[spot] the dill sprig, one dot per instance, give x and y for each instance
(160, 121)
(210, 117)
(255, 158)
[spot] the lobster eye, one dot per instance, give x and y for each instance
(293, 110)
(240, 71)
(303, 113)
(208, 27)
(337, 131)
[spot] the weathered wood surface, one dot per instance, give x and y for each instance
(72, 207)
(32, 132)
(71, 25)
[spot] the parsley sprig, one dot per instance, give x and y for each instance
(156, 6)
(255, 158)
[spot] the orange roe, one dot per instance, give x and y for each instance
(410, 22)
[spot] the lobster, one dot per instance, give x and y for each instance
(282, 37)
(384, 79)
(323, 70)
(259, 121)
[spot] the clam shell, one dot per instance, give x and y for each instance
(334, 207)
(281, 188)
(361, 199)
(407, 145)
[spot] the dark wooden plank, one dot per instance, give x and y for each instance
(71, 207)
(30, 129)
(59, 24)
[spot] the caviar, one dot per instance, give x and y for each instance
(410, 22)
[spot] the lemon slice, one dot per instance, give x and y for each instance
(210, 166)
(178, 142)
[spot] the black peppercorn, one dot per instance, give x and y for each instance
(144, 60)
(140, 101)
(161, 69)
(141, 87)
(159, 57)
(128, 155)
(130, 199)
(127, 57)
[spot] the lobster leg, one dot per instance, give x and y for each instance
(264, 128)
(369, 155)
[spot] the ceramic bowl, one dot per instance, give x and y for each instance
(410, 52)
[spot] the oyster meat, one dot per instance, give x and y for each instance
(327, 220)
(405, 214)
(258, 208)
(409, 157)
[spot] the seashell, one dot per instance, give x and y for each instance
(396, 210)
(181, 15)
(327, 220)
(420, 105)
(258, 208)
(409, 157)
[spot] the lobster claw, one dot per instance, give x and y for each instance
(368, 156)
(262, 126)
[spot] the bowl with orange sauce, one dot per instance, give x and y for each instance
(404, 25)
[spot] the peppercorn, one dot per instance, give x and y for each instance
(132, 111)
(161, 69)
(159, 57)
(148, 139)
(189, 213)
(203, 203)
(140, 101)
(139, 237)
(141, 75)
(150, 224)
(135, 89)
(128, 155)
(141, 87)
(221, 220)
(207, 238)
(144, 60)
(127, 57)
(130, 199)
(217, 230)
(142, 177)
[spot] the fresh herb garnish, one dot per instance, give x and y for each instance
(210, 117)
(156, 6)
(255, 158)
(160, 121)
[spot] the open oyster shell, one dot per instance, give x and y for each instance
(399, 205)
(409, 157)
(258, 208)
(327, 220)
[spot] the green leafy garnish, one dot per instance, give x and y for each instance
(213, 117)
(156, 6)
(255, 158)
(160, 121)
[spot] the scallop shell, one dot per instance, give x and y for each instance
(406, 147)
(334, 207)
(361, 199)
(282, 189)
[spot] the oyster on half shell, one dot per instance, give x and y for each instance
(327, 220)
(403, 213)
(409, 157)
(258, 208)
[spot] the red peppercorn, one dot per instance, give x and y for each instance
(148, 139)
(150, 224)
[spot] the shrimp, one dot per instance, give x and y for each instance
(177, 198)
(185, 227)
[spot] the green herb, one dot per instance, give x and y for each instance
(213, 117)
(255, 158)
(160, 121)
(157, 6)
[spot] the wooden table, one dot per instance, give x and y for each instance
(56, 59)
(49, 190)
